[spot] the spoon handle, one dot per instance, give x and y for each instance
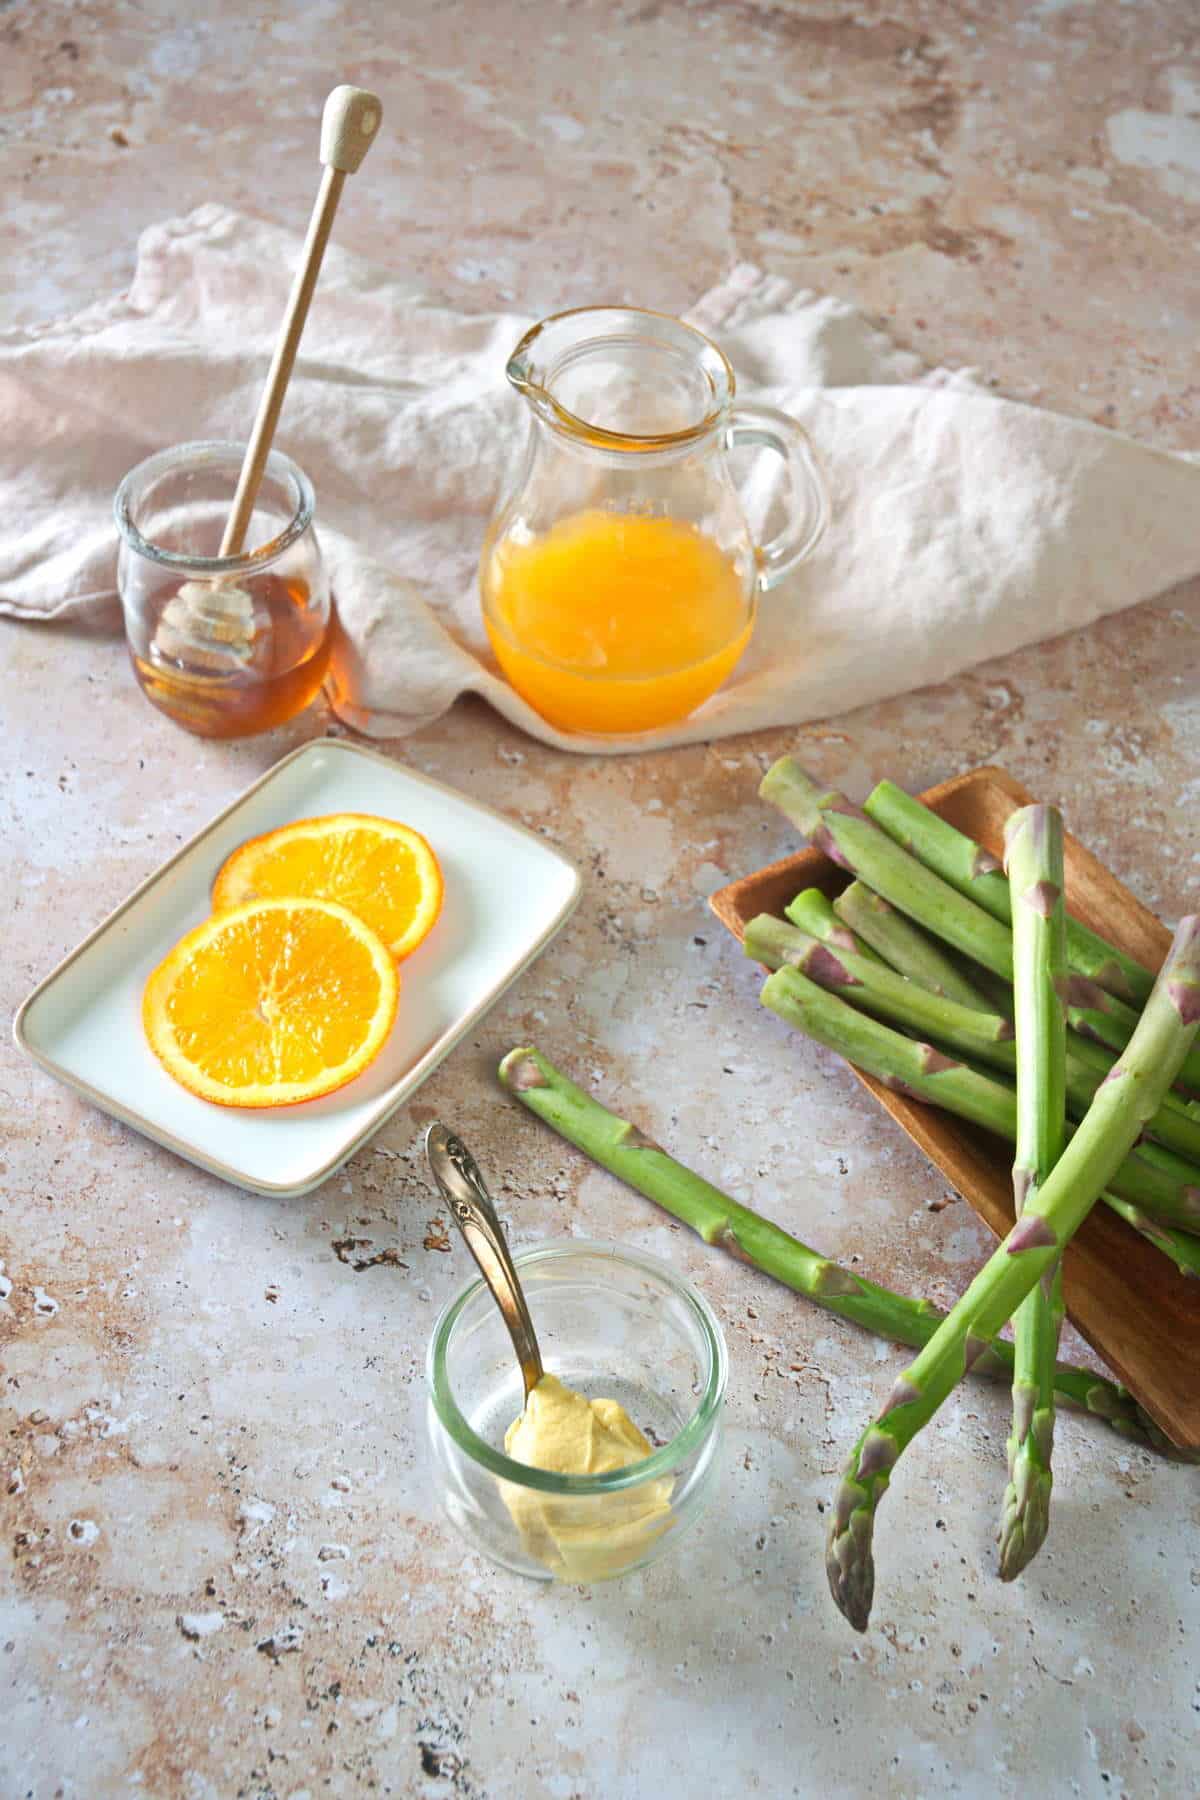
(457, 1175)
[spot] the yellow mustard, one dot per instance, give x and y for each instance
(585, 1537)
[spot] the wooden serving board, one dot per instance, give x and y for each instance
(1131, 1303)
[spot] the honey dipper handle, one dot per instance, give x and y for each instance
(349, 124)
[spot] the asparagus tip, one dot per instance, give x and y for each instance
(852, 1583)
(1020, 1542)
(849, 1562)
(1026, 1517)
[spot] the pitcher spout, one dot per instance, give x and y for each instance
(620, 377)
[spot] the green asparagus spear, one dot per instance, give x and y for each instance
(844, 833)
(1033, 859)
(1162, 1184)
(1093, 1013)
(880, 991)
(1182, 1248)
(1178, 1121)
(812, 911)
(981, 1036)
(1174, 1125)
(1051, 1217)
(726, 1225)
(968, 867)
(904, 946)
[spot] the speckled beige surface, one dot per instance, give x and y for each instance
(212, 1412)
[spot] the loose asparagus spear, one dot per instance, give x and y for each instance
(1051, 1217)
(726, 1225)
(981, 1036)
(1033, 860)
(844, 833)
(971, 869)
(1037, 867)
(904, 946)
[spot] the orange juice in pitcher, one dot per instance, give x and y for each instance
(609, 622)
(619, 579)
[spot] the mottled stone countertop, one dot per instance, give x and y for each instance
(200, 1391)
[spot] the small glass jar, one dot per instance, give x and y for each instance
(225, 645)
(614, 1324)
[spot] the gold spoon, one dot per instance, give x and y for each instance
(457, 1175)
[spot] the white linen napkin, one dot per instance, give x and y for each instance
(963, 525)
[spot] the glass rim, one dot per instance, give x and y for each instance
(662, 1461)
(534, 384)
(212, 450)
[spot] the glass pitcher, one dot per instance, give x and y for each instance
(619, 577)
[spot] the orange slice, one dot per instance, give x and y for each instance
(383, 871)
(271, 1003)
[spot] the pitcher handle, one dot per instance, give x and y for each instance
(766, 428)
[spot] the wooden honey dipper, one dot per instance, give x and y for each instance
(217, 614)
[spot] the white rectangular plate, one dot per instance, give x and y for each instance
(507, 893)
